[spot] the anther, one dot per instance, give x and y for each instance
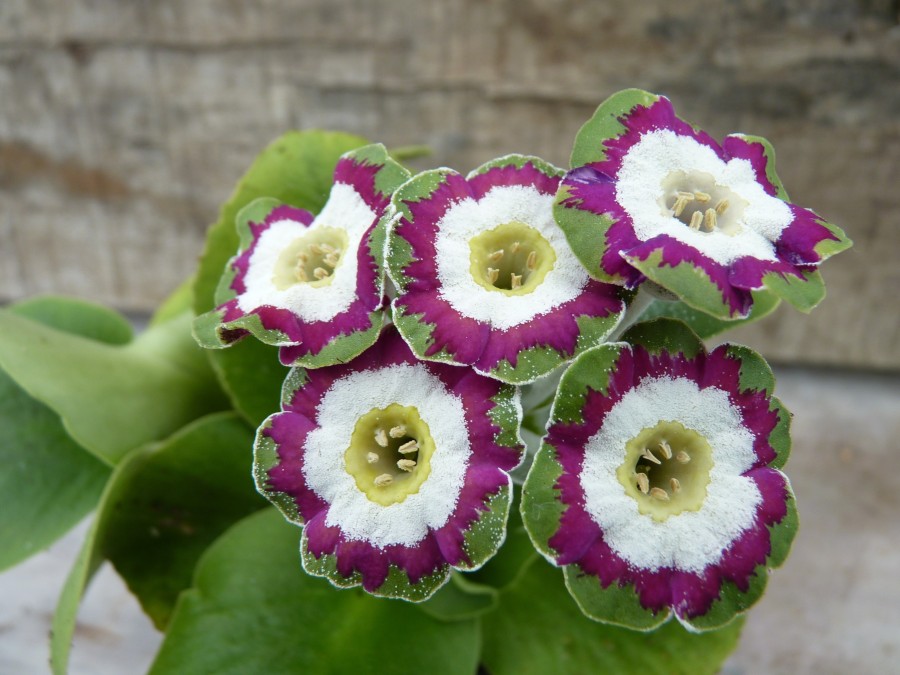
(722, 206)
(682, 457)
(665, 449)
(496, 255)
(381, 438)
(687, 196)
(383, 480)
(408, 447)
(302, 258)
(696, 220)
(515, 247)
(643, 483)
(372, 457)
(531, 263)
(406, 464)
(681, 202)
(656, 493)
(315, 248)
(515, 281)
(676, 486)
(398, 431)
(320, 273)
(493, 273)
(331, 259)
(649, 456)
(710, 220)
(327, 248)
(300, 274)
(701, 196)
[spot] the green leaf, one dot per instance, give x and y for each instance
(252, 376)
(162, 507)
(707, 326)
(297, 169)
(664, 335)
(461, 598)
(179, 301)
(111, 397)
(538, 629)
(177, 498)
(48, 481)
(79, 317)
(253, 610)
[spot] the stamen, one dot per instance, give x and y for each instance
(643, 483)
(315, 248)
(493, 273)
(496, 255)
(381, 438)
(531, 263)
(710, 220)
(372, 457)
(406, 464)
(302, 258)
(682, 457)
(656, 493)
(676, 486)
(383, 480)
(300, 274)
(650, 457)
(320, 273)
(681, 202)
(408, 447)
(515, 247)
(688, 196)
(398, 431)
(327, 248)
(515, 281)
(331, 259)
(696, 220)
(722, 206)
(701, 196)
(665, 449)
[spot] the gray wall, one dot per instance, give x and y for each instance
(124, 123)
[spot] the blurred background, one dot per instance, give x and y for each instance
(125, 123)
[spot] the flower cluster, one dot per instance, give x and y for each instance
(657, 485)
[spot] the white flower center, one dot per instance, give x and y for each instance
(699, 202)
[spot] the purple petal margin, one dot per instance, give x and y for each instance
(443, 547)
(580, 541)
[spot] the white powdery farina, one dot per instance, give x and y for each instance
(639, 187)
(348, 399)
(467, 219)
(345, 210)
(690, 540)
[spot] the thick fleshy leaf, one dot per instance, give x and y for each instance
(162, 507)
(252, 377)
(48, 481)
(112, 398)
(707, 326)
(252, 611)
(538, 629)
(79, 317)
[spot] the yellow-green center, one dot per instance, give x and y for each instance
(512, 258)
(694, 198)
(311, 258)
(666, 470)
(390, 453)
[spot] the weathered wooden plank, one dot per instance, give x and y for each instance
(124, 123)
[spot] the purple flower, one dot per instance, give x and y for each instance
(652, 197)
(396, 468)
(312, 285)
(485, 277)
(658, 487)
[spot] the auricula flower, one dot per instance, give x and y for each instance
(396, 468)
(312, 285)
(652, 197)
(657, 487)
(485, 277)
